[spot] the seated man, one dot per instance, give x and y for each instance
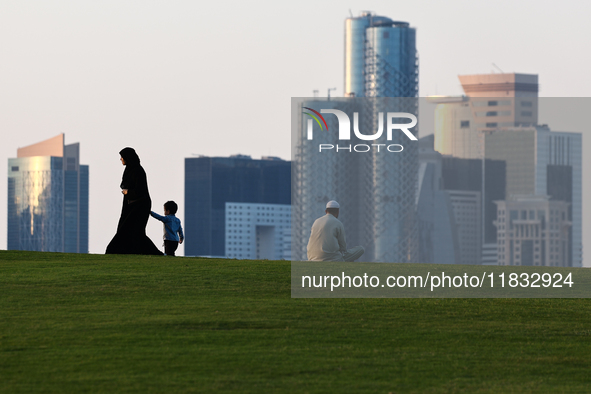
(327, 241)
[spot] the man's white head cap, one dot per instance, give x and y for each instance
(332, 204)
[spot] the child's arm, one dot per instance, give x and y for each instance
(156, 216)
(181, 235)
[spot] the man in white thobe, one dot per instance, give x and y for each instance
(327, 241)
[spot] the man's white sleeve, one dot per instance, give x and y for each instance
(341, 238)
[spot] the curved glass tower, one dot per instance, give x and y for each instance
(48, 198)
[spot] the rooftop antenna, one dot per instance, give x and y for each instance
(329, 89)
(350, 13)
(315, 92)
(498, 68)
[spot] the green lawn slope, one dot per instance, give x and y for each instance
(119, 324)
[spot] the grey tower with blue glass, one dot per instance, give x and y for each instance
(380, 57)
(48, 198)
(377, 190)
(381, 66)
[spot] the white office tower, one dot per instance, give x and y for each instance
(455, 130)
(258, 231)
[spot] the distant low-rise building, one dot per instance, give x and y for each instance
(258, 231)
(533, 230)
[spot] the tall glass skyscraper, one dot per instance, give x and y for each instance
(376, 189)
(380, 57)
(48, 198)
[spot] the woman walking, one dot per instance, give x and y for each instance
(131, 235)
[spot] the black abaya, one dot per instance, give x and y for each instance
(131, 235)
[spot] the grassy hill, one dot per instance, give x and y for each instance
(95, 323)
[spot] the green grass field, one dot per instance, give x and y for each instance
(95, 323)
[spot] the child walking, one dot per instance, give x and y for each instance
(173, 231)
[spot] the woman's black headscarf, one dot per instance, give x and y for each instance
(134, 176)
(130, 157)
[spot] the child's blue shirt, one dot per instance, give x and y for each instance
(172, 227)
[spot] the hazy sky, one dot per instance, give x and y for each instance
(177, 78)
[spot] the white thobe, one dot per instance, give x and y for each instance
(327, 241)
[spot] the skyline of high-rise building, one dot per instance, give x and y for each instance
(497, 120)
(48, 198)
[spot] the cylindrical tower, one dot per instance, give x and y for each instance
(355, 39)
(380, 57)
(375, 187)
(391, 64)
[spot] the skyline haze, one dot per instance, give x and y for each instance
(173, 79)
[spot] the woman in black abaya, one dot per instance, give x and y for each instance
(131, 235)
